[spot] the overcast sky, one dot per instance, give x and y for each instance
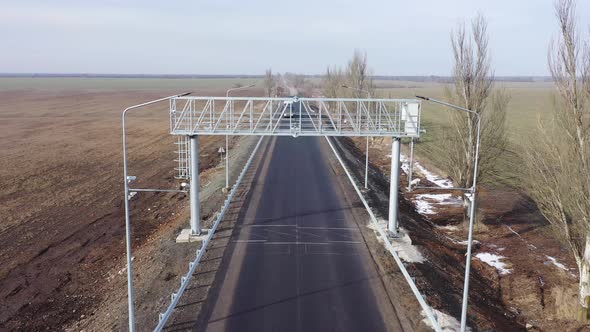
(401, 37)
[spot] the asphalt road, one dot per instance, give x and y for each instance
(299, 262)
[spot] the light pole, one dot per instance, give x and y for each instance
(367, 152)
(227, 136)
(126, 180)
(471, 190)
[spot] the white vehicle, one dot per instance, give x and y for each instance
(289, 104)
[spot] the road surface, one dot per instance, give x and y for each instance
(299, 262)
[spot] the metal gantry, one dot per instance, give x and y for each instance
(191, 117)
(294, 116)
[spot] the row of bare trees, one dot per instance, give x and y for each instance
(558, 158)
(355, 80)
(274, 84)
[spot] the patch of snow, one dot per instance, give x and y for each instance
(463, 243)
(439, 181)
(445, 322)
(406, 251)
(450, 228)
(402, 245)
(405, 164)
(495, 261)
(466, 242)
(424, 207)
(427, 203)
(554, 261)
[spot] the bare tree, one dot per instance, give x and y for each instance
(279, 88)
(269, 82)
(332, 82)
(559, 178)
(358, 75)
(473, 89)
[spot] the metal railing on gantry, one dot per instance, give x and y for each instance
(294, 116)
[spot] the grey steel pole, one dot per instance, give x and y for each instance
(194, 187)
(411, 166)
(470, 237)
(393, 187)
(227, 161)
(130, 293)
(471, 209)
(367, 165)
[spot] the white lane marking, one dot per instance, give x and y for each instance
(295, 242)
(311, 234)
(328, 228)
(279, 233)
(249, 241)
(251, 225)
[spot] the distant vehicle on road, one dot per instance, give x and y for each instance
(293, 107)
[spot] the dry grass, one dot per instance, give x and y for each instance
(566, 302)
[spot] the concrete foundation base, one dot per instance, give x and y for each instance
(185, 236)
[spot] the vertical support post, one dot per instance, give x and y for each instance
(367, 164)
(130, 295)
(227, 161)
(411, 166)
(194, 187)
(470, 235)
(393, 187)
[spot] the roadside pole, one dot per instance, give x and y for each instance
(393, 224)
(226, 161)
(194, 187)
(367, 164)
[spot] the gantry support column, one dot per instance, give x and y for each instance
(367, 165)
(393, 187)
(411, 166)
(194, 187)
(227, 162)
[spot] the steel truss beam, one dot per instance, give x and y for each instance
(294, 116)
